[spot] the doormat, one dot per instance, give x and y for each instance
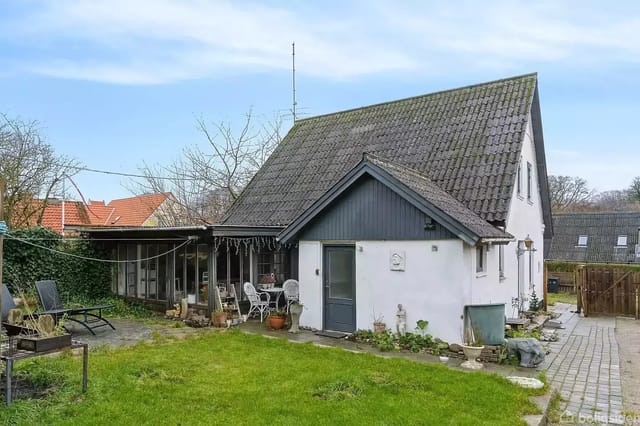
(328, 333)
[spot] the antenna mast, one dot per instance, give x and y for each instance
(293, 58)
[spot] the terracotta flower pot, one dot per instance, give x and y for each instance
(219, 319)
(379, 327)
(276, 322)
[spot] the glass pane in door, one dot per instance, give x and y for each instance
(340, 273)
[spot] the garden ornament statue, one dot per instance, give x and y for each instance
(401, 320)
(528, 350)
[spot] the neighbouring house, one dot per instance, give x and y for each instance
(142, 210)
(601, 237)
(435, 202)
(58, 212)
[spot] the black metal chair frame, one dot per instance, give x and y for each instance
(52, 305)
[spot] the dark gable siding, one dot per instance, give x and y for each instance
(371, 211)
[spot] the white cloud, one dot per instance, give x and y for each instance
(159, 41)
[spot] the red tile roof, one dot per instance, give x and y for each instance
(133, 211)
(74, 214)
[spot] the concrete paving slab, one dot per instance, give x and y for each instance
(584, 365)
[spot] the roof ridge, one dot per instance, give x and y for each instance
(439, 92)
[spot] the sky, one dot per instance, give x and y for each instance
(120, 83)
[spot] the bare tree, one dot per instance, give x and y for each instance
(205, 182)
(634, 190)
(568, 193)
(615, 200)
(31, 170)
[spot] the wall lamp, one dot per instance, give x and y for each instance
(528, 242)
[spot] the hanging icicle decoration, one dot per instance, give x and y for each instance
(250, 243)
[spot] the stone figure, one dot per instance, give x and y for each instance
(401, 320)
(528, 350)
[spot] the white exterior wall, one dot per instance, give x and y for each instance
(310, 260)
(525, 218)
(432, 286)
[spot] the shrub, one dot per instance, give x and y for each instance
(24, 264)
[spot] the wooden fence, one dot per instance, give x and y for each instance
(608, 291)
(567, 281)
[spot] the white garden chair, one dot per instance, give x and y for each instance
(291, 292)
(259, 301)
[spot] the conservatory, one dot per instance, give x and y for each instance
(162, 265)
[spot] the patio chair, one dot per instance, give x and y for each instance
(7, 302)
(291, 292)
(259, 301)
(91, 316)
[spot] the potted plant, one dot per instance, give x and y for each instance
(276, 319)
(472, 348)
(379, 325)
(219, 318)
(268, 280)
(295, 309)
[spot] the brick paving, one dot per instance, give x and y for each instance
(584, 366)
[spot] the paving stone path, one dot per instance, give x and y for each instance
(584, 366)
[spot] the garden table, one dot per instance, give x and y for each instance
(274, 292)
(10, 355)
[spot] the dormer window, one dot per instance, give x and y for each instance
(582, 240)
(622, 241)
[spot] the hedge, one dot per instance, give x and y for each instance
(562, 266)
(25, 264)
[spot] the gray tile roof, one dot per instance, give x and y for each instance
(602, 230)
(432, 193)
(467, 141)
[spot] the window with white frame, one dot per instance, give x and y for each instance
(501, 261)
(480, 259)
(529, 180)
(519, 178)
(622, 241)
(582, 240)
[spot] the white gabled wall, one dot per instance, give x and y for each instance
(525, 218)
(432, 286)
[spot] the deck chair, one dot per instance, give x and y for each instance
(91, 316)
(259, 301)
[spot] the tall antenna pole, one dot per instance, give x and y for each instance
(293, 58)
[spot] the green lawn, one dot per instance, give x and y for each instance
(553, 298)
(235, 378)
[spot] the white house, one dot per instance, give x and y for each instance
(425, 202)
